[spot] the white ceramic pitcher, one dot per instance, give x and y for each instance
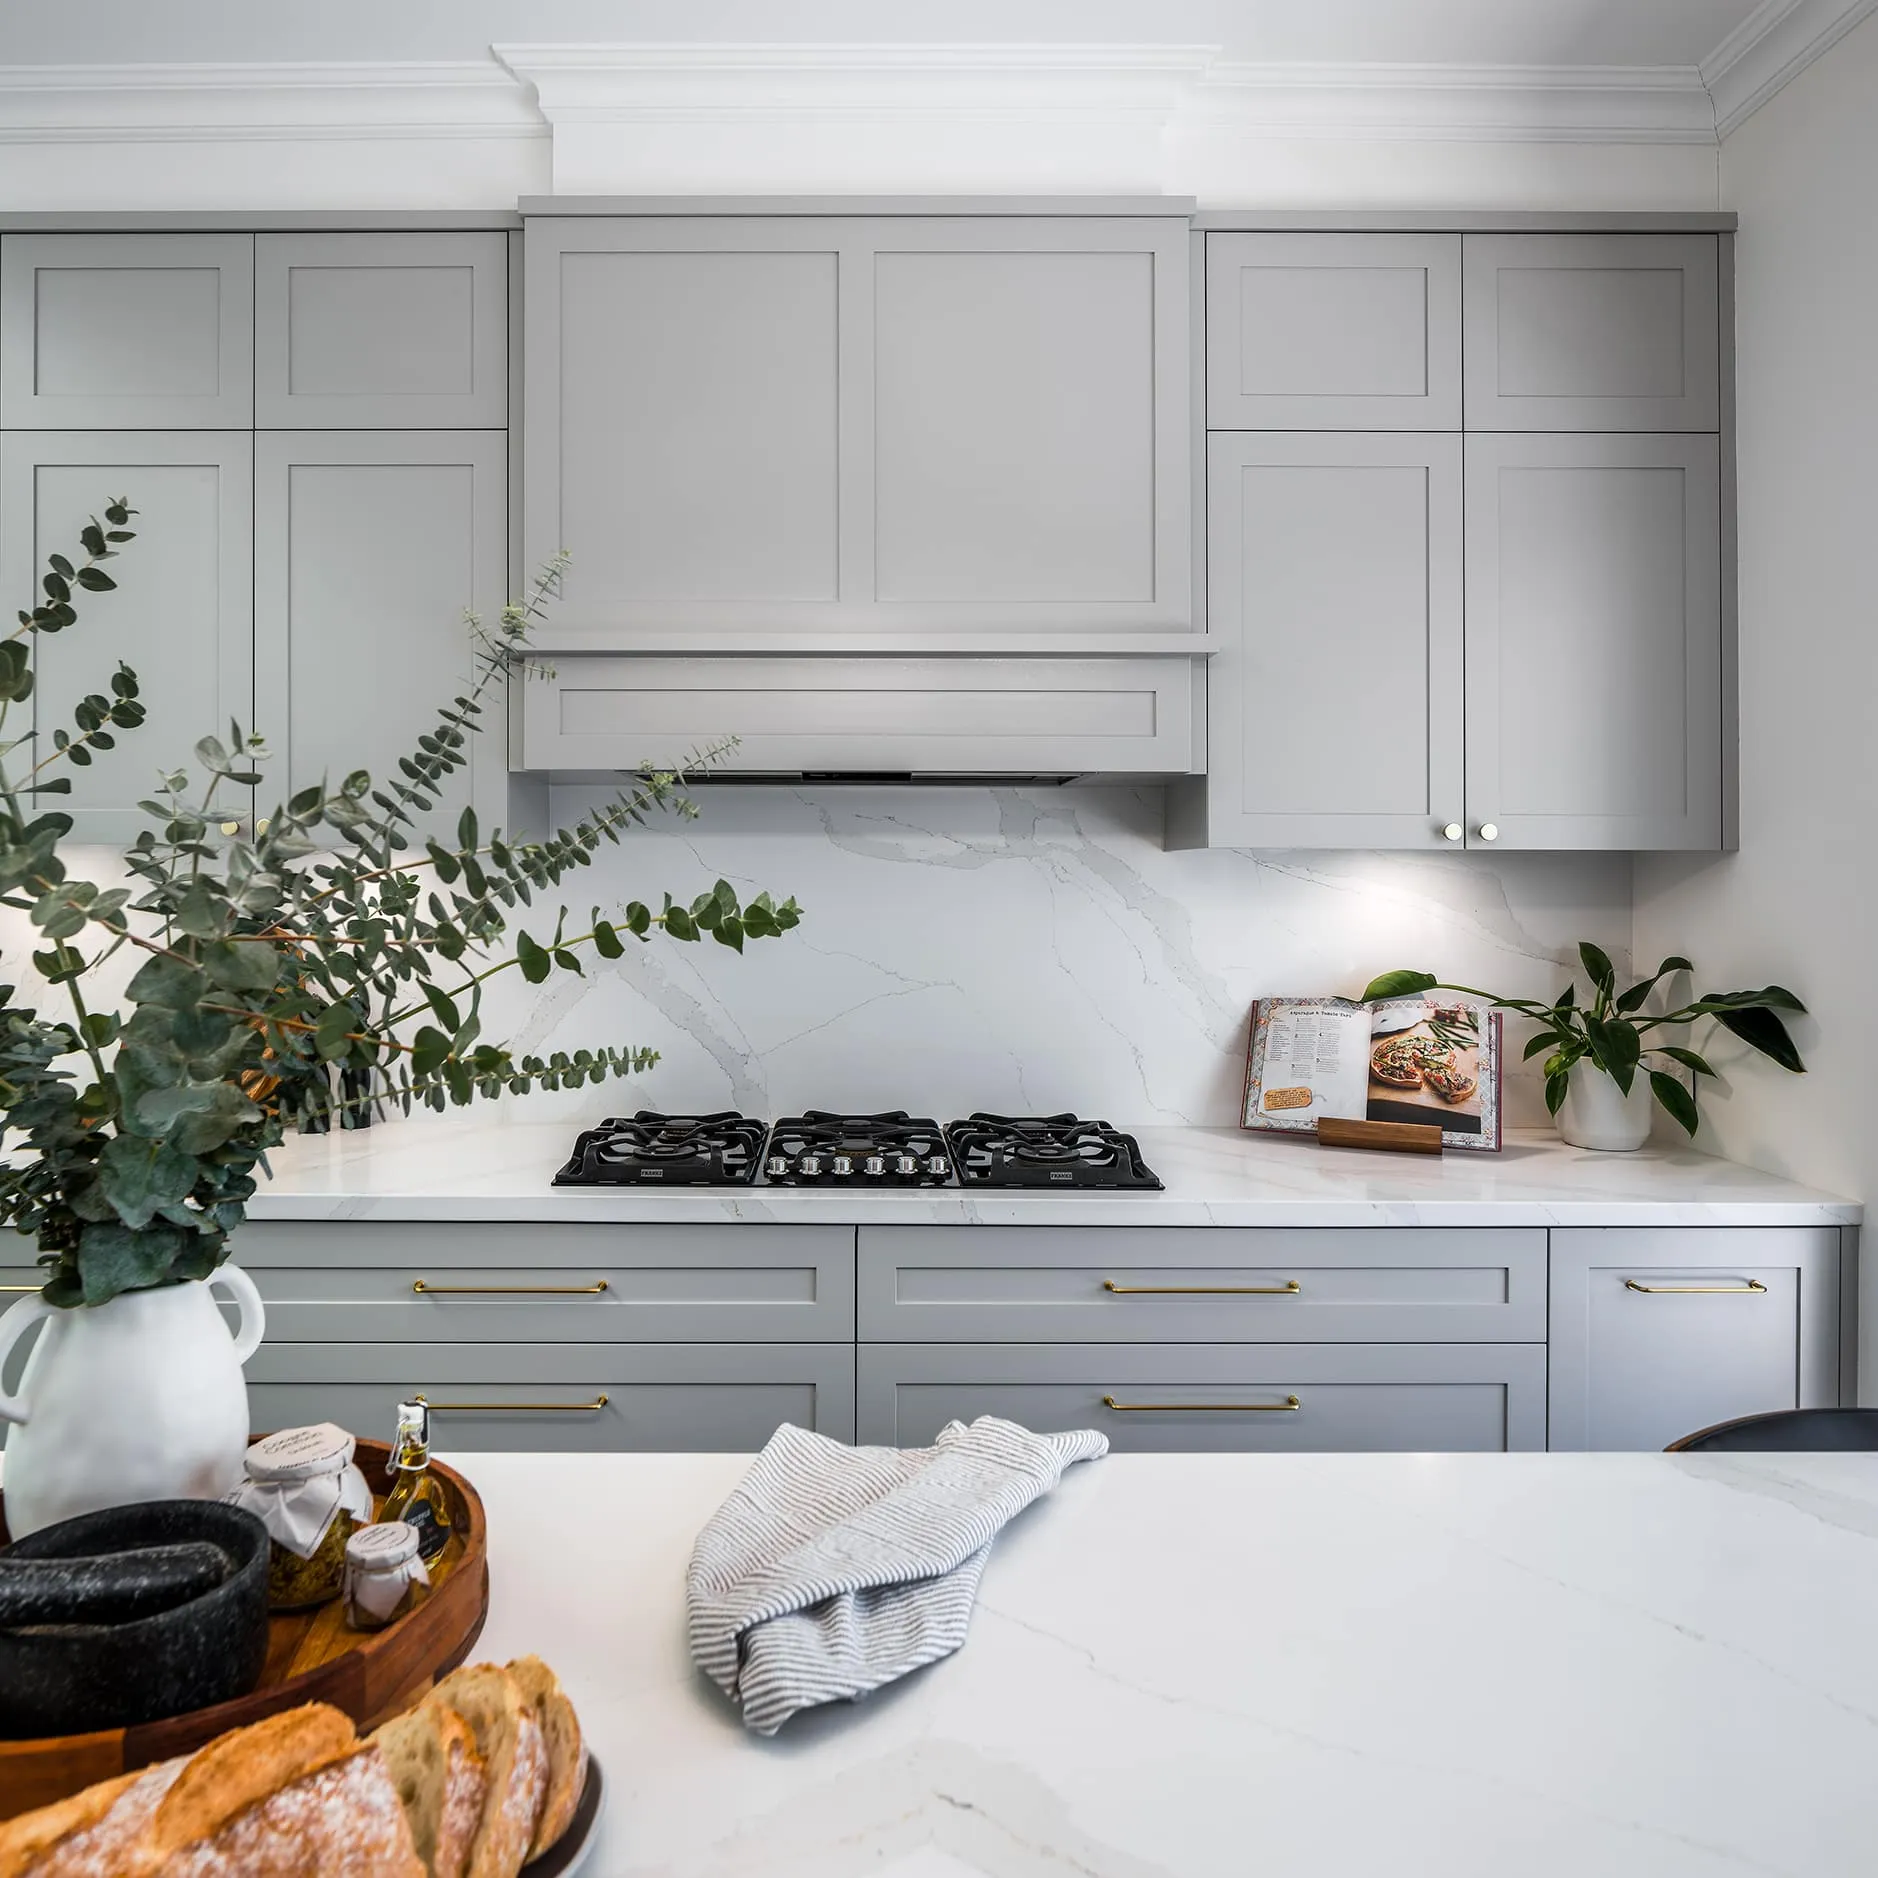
(140, 1398)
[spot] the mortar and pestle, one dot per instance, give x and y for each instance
(130, 1615)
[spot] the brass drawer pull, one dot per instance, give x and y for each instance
(1289, 1289)
(22, 1287)
(515, 1408)
(427, 1290)
(1685, 1291)
(1203, 1408)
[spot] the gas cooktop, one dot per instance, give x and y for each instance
(823, 1148)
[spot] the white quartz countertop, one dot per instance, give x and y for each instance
(461, 1169)
(1188, 1666)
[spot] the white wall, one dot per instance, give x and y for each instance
(1799, 903)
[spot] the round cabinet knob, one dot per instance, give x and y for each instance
(1452, 832)
(1489, 831)
(231, 828)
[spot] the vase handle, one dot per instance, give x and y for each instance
(19, 1319)
(253, 1325)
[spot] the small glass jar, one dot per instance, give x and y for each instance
(304, 1488)
(385, 1578)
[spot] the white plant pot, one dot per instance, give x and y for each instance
(140, 1398)
(1597, 1114)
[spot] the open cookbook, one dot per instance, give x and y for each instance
(1428, 1060)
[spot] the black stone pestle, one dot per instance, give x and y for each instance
(108, 1587)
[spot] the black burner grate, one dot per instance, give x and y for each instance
(720, 1150)
(893, 1149)
(1047, 1151)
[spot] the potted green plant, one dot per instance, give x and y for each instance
(338, 940)
(1600, 1080)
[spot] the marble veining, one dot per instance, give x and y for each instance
(1187, 1666)
(493, 1165)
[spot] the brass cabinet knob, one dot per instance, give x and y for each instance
(1489, 831)
(1453, 831)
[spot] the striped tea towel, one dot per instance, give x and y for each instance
(832, 1570)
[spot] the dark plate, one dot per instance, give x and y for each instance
(562, 1860)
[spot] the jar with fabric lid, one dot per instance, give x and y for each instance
(385, 1577)
(304, 1488)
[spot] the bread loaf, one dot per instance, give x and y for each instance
(515, 1760)
(431, 1756)
(94, 1834)
(567, 1752)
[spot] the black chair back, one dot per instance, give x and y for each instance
(1788, 1431)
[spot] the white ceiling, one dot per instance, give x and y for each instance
(1470, 32)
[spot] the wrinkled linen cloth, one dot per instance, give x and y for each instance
(833, 1570)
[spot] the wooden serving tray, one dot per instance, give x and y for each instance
(311, 1657)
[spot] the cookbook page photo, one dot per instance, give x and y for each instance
(1425, 1060)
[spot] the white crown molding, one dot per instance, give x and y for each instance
(1458, 103)
(261, 103)
(1771, 48)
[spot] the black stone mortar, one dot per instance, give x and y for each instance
(69, 1678)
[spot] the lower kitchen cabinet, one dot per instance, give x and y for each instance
(1218, 1398)
(564, 1397)
(1657, 1333)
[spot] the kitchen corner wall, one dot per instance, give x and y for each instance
(1023, 950)
(1798, 903)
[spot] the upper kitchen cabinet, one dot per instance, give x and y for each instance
(352, 667)
(1334, 591)
(381, 331)
(1592, 332)
(126, 332)
(181, 616)
(1593, 575)
(898, 425)
(1333, 332)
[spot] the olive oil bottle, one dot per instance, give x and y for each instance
(417, 1496)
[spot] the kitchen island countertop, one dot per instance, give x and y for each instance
(1205, 1666)
(454, 1168)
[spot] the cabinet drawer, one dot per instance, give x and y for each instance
(945, 1284)
(593, 1397)
(1659, 1333)
(461, 1284)
(1219, 1398)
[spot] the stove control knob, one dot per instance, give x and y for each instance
(938, 1164)
(905, 1164)
(842, 1164)
(876, 1164)
(777, 1166)
(810, 1164)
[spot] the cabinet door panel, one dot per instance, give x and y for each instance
(684, 420)
(1334, 588)
(127, 332)
(1634, 1368)
(1594, 561)
(381, 331)
(1592, 332)
(182, 615)
(670, 1398)
(1213, 1398)
(1333, 332)
(369, 545)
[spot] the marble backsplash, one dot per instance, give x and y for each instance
(1022, 949)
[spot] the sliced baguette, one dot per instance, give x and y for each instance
(567, 1752)
(430, 1753)
(242, 1767)
(341, 1820)
(94, 1834)
(515, 1761)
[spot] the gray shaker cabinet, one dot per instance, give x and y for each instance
(1333, 332)
(127, 332)
(888, 423)
(369, 545)
(1592, 332)
(399, 331)
(1334, 591)
(1594, 562)
(182, 617)
(1658, 1333)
